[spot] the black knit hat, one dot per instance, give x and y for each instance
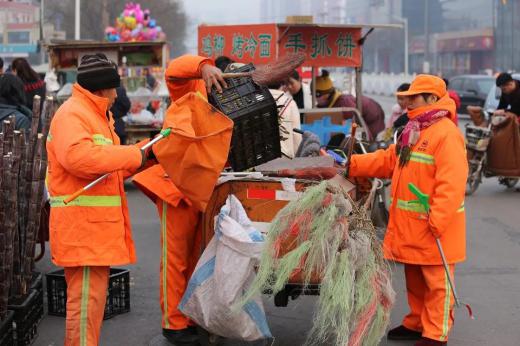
(97, 72)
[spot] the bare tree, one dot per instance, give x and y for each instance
(97, 14)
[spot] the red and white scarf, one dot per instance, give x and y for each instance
(412, 132)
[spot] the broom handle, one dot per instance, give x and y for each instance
(237, 74)
(224, 75)
(447, 269)
(164, 133)
(351, 147)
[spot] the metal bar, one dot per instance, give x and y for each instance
(77, 17)
(313, 71)
(448, 274)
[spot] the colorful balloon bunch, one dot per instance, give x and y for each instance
(134, 25)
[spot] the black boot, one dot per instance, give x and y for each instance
(183, 337)
(403, 333)
(430, 342)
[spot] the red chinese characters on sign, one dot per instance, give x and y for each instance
(324, 46)
(261, 43)
(244, 43)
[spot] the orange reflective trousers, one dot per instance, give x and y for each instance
(430, 299)
(86, 298)
(180, 250)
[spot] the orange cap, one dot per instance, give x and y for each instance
(425, 83)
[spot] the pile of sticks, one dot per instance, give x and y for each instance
(23, 166)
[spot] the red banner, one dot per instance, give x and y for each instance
(242, 43)
(261, 43)
(324, 46)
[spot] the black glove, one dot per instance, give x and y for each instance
(150, 155)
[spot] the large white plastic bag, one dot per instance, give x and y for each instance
(223, 274)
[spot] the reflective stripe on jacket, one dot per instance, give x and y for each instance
(438, 167)
(94, 229)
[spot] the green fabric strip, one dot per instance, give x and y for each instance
(84, 306)
(87, 201)
(422, 158)
(417, 207)
(445, 323)
(99, 139)
(414, 206)
(164, 264)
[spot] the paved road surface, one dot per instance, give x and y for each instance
(489, 280)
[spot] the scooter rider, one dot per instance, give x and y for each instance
(510, 100)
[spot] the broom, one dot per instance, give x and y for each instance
(164, 133)
(265, 75)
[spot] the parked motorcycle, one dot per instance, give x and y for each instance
(477, 142)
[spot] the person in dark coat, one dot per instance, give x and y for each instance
(329, 97)
(12, 102)
(120, 108)
(32, 83)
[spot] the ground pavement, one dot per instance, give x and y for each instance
(489, 280)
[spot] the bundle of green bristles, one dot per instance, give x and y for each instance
(332, 237)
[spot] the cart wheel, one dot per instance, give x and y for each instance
(474, 180)
(281, 299)
(508, 182)
(213, 339)
(472, 186)
(208, 339)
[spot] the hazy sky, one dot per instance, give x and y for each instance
(211, 11)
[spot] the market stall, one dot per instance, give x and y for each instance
(323, 45)
(137, 61)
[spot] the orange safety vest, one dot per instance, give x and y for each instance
(94, 229)
(438, 167)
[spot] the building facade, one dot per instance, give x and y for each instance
(19, 29)
(507, 27)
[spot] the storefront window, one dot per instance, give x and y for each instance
(18, 37)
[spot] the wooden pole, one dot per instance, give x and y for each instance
(18, 290)
(7, 245)
(35, 207)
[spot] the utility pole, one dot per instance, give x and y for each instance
(105, 20)
(404, 21)
(406, 53)
(77, 20)
(42, 18)
(426, 64)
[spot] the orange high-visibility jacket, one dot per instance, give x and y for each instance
(181, 70)
(94, 229)
(438, 167)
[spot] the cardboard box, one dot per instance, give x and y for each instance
(299, 19)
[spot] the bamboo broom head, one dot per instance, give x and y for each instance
(278, 70)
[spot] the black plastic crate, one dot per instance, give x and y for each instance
(37, 285)
(37, 281)
(26, 318)
(256, 133)
(118, 295)
(7, 330)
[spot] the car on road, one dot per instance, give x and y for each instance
(472, 89)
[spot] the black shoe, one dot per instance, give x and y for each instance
(183, 337)
(430, 342)
(403, 333)
(193, 330)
